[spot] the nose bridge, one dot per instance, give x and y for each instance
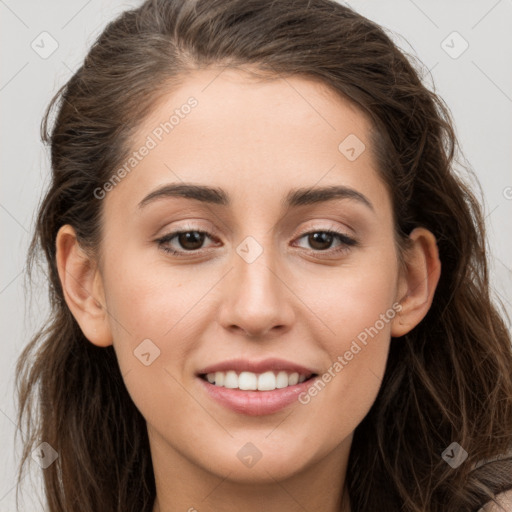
(257, 299)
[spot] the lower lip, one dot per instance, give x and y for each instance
(256, 403)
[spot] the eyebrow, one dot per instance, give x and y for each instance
(294, 198)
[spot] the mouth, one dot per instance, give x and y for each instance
(255, 388)
(250, 381)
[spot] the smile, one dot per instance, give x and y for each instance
(256, 388)
(249, 381)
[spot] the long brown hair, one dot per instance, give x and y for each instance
(448, 380)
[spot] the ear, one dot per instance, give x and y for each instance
(418, 281)
(83, 288)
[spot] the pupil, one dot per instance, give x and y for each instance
(325, 240)
(193, 237)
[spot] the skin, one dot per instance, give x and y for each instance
(256, 140)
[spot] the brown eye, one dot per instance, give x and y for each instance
(191, 240)
(183, 242)
(322, 240)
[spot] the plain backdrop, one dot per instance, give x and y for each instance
(471, 70)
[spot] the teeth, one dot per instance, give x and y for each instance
(293, 379)
(281, 380)
(266, 381)
(249, 381)
(231, 380)
(218, 378)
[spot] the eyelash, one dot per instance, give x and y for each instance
(346, 242)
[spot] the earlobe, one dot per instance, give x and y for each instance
(419, 282)
(82, 287)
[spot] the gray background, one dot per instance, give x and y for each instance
(477, 86)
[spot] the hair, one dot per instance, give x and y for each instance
(449, 379)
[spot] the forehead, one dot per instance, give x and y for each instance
(222, 127)
(232, 100)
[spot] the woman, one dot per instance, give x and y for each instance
(269, 289)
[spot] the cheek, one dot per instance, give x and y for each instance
(356, 307)
(146, 299)
(351, 299)
(151, 308)
(146, 309)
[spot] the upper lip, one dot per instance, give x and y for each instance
(245, 365)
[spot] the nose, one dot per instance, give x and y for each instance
(257, 298)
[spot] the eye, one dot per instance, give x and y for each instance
(190, 240)
(322, 240)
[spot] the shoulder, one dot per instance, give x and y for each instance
(504, 500)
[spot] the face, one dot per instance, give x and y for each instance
(258, 280)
